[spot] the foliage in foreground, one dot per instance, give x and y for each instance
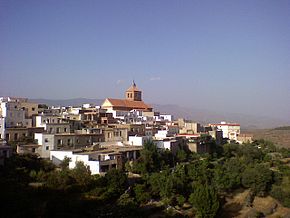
(198, 180)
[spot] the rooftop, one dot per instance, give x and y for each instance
(129, 104)
(133, 88)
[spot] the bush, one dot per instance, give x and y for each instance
(281, 195)
(142, 196)
(126, 200)
(180, 200)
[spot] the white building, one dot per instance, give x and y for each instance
(13, 114)
(2, 127)
(58, 156)
(161, 134)
(42, 120)
(138, 140)
(5, 152)
(230, 130)
(49, 142)
(171, 144)
(52, 124)
(169, 131)
(99, 160)
(163, 117)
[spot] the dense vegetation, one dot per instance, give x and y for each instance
(283, 128)
(184, 185)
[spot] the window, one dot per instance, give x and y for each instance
(33, 109)
(68, 141)
(45, 140)
(64, 130)
(59, 141)
(33, 150)
(47, 148)
(57, 130)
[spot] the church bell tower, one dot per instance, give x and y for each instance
(133, 93)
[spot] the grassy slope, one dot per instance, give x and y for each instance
(279, 137)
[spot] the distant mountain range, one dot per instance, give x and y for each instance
(198, 115)
(68, 102)
(210, 116)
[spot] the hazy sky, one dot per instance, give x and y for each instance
(224, 55)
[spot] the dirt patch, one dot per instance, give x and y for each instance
(266, 205)
(235, 206)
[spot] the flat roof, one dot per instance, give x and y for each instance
(106, 150)
(224, 124)
(71, 134)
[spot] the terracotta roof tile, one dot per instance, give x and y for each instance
(129, 104)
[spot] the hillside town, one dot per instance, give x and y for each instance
(105, 136)
(124, 159)
(144, 109)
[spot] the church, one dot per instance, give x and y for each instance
(132, 101)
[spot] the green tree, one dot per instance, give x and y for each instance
(258, 178)
(200, 171)
(181, 155)
(117, 181)
(167, 159)
(227, 176)
(162, 184)
(149, 160)
(230, 150)
(65, 163)
(60, 180)
(82, 175)
(205, 200)
(180, 180)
